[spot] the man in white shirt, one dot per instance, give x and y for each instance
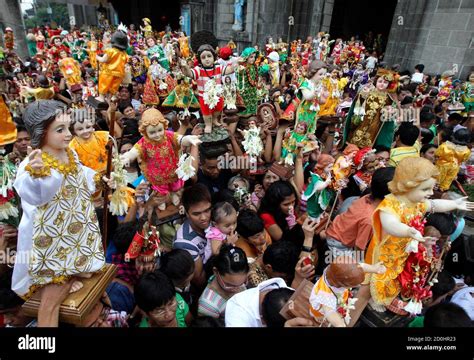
(417, 76)
(246, 309)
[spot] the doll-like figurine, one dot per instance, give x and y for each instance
(450, 155)
(92, 47)
(55, 49)
(9, 39)
(112, 70)
(162, 79)
(343, 166)
(147, 29)
(40, 39)
(90, 145)
(106, 41)
(182, 98)
(248, 81)
(291, 141)
(312, 93)
(365, 163)
(208, 76)
(369, 128)
(70, 69)
(468, 94)
(59, 227)
(183, 45)
(252, 143)
(89, 90)
(331, 299)
(155, 50)
(395, 223)
(318, 194)
(158, 153)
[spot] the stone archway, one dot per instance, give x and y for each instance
(358, 18)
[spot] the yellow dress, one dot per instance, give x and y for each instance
(390, 250)
(184, 46)
(70, 70)
(92, 52)
(323, 294)
(113, 71)
(329, 107)
(450, 157)
(92, 152)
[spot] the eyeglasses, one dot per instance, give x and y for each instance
(170, 307)
(228, 287)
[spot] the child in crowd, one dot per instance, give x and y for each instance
(222, 230)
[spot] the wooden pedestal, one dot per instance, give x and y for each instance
(78, 304)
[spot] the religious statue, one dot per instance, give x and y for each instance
(238, 19)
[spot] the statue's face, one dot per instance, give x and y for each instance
(381, 84)
(251, 59)
(207, 59)
(319, 74)
(155, 133)
(57, 42)
(422, 192)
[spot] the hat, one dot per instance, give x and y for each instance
(120, 40)
(7, 127)
(8, 29)
(225, 52)
(146, 20)
(247, 52)
(273, 56)
(361, 155)
(51, 40)
(283, 172)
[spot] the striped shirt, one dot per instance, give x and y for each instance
(189, 240)
(202, 76)
(211, 304)
(400, 153)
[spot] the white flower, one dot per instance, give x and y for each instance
(412, 247)
(212, 93)
(163, 86)
(185, 170)
(8, 210)
(413, 307)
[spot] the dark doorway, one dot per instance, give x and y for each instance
(160, 12)
(358, 18)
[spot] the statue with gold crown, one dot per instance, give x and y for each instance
(371, 119)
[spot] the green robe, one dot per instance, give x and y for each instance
(317, 201)
(247, 91)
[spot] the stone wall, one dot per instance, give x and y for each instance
(437, 33)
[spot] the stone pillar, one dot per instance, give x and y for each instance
(437, 34)
(11, 16)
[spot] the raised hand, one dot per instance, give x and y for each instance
(464, 205)
(35, 159)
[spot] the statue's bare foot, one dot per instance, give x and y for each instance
(208, 129)
(76, 286)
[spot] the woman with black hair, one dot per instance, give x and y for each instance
(230, 269)
(277, 209)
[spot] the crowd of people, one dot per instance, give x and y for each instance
(232, 182)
